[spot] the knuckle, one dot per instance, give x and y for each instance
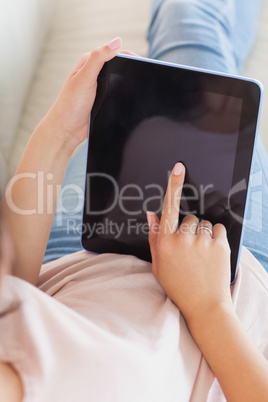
(192, 217)
(176, 187)
(191, 220)
(220, 226)
(85, 55)
(205, 222)
(171, 202)
(95, 54)
(167, 204)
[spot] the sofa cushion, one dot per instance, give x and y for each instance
(23, 27)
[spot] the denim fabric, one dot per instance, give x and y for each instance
(212, 34)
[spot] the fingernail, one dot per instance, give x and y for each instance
(149, 218)
(114, 44)
(178, 168)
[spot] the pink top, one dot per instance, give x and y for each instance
(100, 328)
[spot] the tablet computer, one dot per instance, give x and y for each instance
(147, 116)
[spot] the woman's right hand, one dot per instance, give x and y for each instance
(192, 266)
(194, 270)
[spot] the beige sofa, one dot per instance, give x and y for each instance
(41, 40)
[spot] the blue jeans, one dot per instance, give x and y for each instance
(212, 34)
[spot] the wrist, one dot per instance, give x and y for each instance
(56, 137)
(202, 323)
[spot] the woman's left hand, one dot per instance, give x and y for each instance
(69, 115)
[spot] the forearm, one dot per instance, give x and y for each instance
(31, 198)
(240, 368)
